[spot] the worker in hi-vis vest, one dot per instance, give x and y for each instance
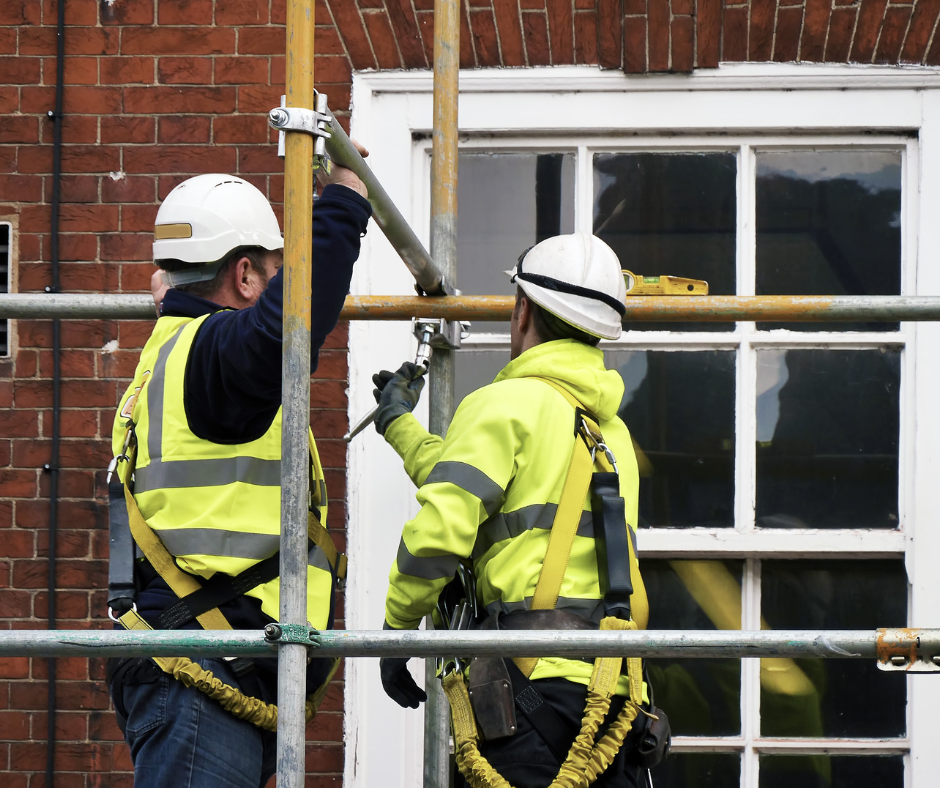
(196, 477)
(532, 498)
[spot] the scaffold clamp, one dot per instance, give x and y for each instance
(316, 122)
(908, 650)
(297, 634)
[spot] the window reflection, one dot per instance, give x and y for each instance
(832, 697)
(508, 202)
(679, 407)
(827, 438)
(672, 214)
(829, 223)
(698, 770)
(475, 369)
(701, 696)
(831, 771)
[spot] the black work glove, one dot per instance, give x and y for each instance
(398, 683)
(397, 393)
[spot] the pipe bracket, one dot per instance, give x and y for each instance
(296, 634)
(908, 650)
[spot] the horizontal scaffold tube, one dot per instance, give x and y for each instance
(711, 309)
(870, 644)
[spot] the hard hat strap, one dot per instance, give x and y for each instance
(202, 273)
(550, 283)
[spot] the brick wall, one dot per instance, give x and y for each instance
(158, 90)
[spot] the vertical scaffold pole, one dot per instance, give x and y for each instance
(444, 254)
(295, 380)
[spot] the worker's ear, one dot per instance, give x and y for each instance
(247, 280)
(524, 309)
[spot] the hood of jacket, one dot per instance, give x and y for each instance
(577, 367)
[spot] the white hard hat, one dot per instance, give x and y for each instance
(206, 217)
(578, 279)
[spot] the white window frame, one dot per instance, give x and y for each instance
(751, 107)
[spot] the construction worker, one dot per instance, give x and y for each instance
(494, 493)
(197, 441)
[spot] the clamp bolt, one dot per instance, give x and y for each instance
(272, 632)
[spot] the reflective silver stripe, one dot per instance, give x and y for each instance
(231, 544)
(509, 525)
(471, 479)
(215, 541)
(208, 473)
(591, 609)
(430, 568)
(155, 397)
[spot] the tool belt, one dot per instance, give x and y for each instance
(199, 600)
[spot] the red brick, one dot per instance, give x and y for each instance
(15, 604)
(241, 12)
(76, 14)
(70, 726)
(77, 71)
(18, 424)
(178, 41)
(92, 41)
(609, 34)
(135, 277)
(870, 18)
(120, 13)
(483, 30)
(922, 24)
(258, 160)
(261, 41)
(240, 128)
(138, 219)
(535, 29)
(127, 246)
(78, 514)
(383, 41)
(403, 21)
(185, 12)
(327, 69)
(75, 129)
(21, 70)
(26, 364)
(127, 129)
(841, 26)
(88, 218)
(761, 39)
(19, 129)
(352, 32)
(734, 34)
(14, 724)
(9, 99)
(184, 129)
(173, 100)
(15, 13)
(787, 39)
(7, 41)
(102, 726)
(126, 70)
(128, 189)
(815, 27)
(708, 37)
(14, 667)
(88, 333)
(17, 483)
(75, 364)
(184, 70)
(241, 70)
(659, 35)
(182, 159)
(36, 40)
(262, 98)
(69, 604)
(892, 34)
(81, 100)
(77, 188)
(585, 37)
(327, 41)
(560, 31)
(72, 484)
(509, 29)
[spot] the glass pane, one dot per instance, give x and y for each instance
(831, 771)
(832, 697)
(827, 438)
(508, 202)
(829, 223)
(679, 407)
(670, 214)
(477, 368)
(702, 697)
(698, 770)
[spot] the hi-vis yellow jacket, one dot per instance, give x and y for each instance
(490, 490)
(215, 507)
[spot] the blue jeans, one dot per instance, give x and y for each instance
(180, 737)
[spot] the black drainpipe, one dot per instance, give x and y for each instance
(53, 465)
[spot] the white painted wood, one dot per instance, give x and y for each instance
(779, 543)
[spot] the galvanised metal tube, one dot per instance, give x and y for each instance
(295, 382)
(709, 309)
(702, 644)
(386, 215)
(442, 372)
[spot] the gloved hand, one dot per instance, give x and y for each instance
(398, 683)
(396, 393)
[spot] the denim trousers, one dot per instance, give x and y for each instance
(180, 737)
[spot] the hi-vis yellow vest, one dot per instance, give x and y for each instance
(216, 507)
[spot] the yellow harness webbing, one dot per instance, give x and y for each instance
(587, 758)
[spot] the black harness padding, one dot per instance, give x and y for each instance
(554, 731)
(122, 591)
(219, 589)
(612, 543)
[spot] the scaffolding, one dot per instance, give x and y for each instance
(291, 639)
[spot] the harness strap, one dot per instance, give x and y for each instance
(122, 590)
(552, 728)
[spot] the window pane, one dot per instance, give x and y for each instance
(477, 368)
(829, 223)
(831, 771)
(679, 407)
(670, 214)
(702, 697)
(698, 770)
(832, 697)
(827, 438)
(508, 202)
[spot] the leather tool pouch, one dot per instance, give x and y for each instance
(653, 747)
(490, 690)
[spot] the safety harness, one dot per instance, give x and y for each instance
(199, 600)
(586, 758)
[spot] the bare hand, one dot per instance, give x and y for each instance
(344, 176)
(158, 289)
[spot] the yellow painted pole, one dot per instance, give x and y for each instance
(295, 380)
